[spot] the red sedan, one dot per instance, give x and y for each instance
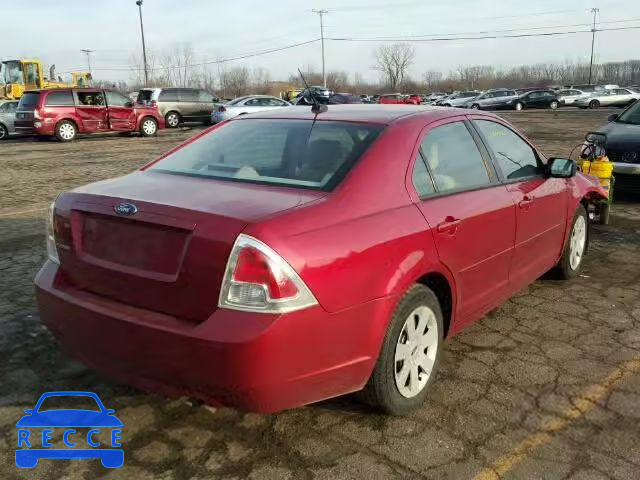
(400, 99)
(282, 258)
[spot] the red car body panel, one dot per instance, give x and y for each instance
(152, 319)
(88, 119)
(394, 99)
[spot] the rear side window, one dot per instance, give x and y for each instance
(59, 99)
(282, 152)
(144, 96)
(515, 157)
(168, 95)
(421, 178)
(29, 100)
(188, 95)
(454, 159)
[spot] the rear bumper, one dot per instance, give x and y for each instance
(256, 362)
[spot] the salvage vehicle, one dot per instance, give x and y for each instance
(613, 97)
(623, 147)
(248, 104)
(458, 99)
(495, 99)
(7, 118)
(294, 255)
(67, 112)
(536, 99)
(399, 99)
(180, 105)
(570, 95)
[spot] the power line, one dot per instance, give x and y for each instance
(211, 62)
(484, 37)
(88, 52)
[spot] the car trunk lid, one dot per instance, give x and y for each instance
(170, 255)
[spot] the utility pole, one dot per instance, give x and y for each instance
(593, 41)
(321, 14)
(88, 52)
(144, 48)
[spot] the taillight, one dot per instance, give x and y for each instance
(258, 279)
(222, 109)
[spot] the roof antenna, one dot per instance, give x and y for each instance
(317, 106)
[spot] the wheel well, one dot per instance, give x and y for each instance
(440, 286)
(145, 117)
(172, 111)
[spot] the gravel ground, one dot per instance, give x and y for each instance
(547, 386)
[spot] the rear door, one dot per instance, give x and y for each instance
(471, 215)
(121, 113)
(541, 201)
(91, 110)
(206, 105)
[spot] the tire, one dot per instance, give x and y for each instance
(518, 106)
(172, 119)
(553, 105)
(386, 390)
(475, 106)
(148, 127)
(569, 266)
(4, 133)
(594, 104)
(66, 131)
(605, 210)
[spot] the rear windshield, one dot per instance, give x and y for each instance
(28, 101)
(282, 152)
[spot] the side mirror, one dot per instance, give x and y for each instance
(109, 411)
(29, 410)
(613, 117)
(561, 168)
(128, 104)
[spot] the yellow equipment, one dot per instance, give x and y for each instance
(21, 75)
(599, 167)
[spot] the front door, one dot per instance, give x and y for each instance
(121, 114)
(471, 216)
(189, 105)
(542, 202)
(91, 110)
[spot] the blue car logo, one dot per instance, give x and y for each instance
(125, 209)
(29, 442)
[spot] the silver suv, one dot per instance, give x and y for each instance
(180, 105)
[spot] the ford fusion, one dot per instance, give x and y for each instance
(286, 257)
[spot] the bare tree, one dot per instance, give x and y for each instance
(393, 62)
(260, 81)
(235, 81)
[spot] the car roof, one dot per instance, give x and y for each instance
(382, 114)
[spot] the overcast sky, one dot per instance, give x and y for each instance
(56, 31)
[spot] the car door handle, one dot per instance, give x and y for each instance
(526, 202)
(450, 225)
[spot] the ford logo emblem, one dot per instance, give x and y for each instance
(125, 209)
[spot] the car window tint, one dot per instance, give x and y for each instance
(188, 95)
(168, 95)
(90, 98)
(454, 158)
(421, 178)
(115, 99)
(285, 152)
(515, 157)
(254, 102)
(61, 99)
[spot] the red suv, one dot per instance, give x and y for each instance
(285, 257)
(400, 99)
(66, 112)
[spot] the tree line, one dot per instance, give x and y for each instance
(178, 66)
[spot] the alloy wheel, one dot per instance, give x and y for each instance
(3, 132)
(149, 127)
(416, 351)
(67, 131)
(577, 242)
(173, 120)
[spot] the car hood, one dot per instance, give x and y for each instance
(621, 136)
(69, 418)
